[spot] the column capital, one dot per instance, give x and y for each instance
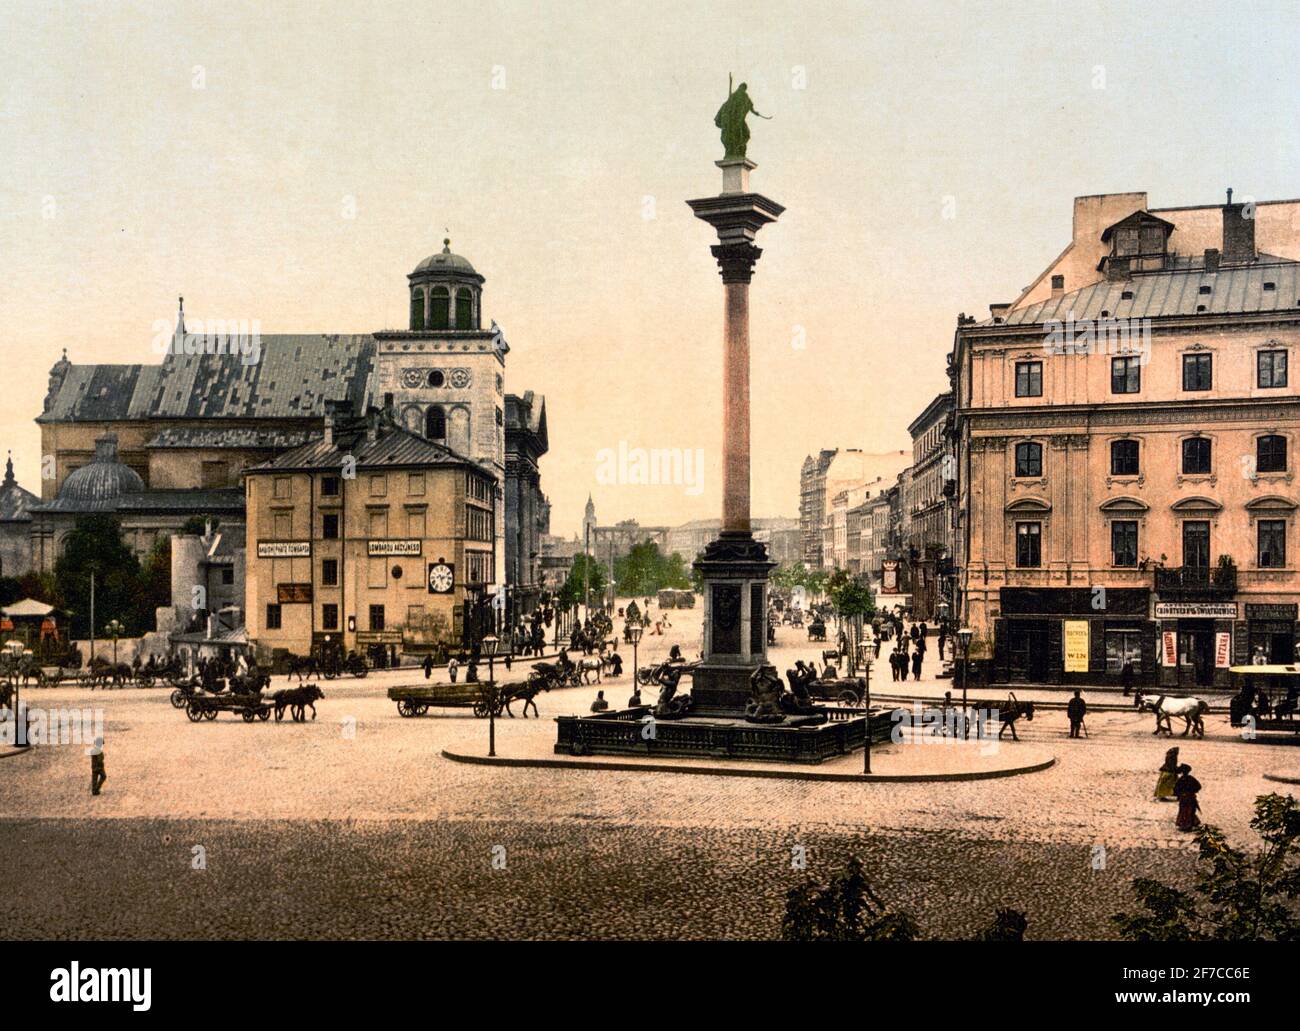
(736, 260)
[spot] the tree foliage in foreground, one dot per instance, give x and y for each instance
(1237, 896)
(848, 910)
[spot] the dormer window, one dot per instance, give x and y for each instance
(1138, 243)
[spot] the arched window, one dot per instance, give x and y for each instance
(435, 423)
(1029, 459)
(438, 301)
(464, 309)
(1270, 454)
(417, 309)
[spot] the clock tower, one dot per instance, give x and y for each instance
(444, 376)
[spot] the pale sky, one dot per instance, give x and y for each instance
(155, 149)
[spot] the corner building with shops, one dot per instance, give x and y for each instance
(1127, 434)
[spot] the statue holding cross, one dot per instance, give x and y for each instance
(731, 120)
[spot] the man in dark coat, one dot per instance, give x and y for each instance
(97, 774)
(917, 657)
(428, 666)
(1126, 677)
(1076, 710)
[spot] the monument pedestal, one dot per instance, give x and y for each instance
(734, 569)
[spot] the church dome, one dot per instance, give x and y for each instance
(445, 261)
(104, 479)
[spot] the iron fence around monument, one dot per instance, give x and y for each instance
(628, 732)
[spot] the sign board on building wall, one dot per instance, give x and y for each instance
(379, 637)
(293, 594)
(284, 549)
(1196, 610)
(1169, 648)
(1280, 613)
(386, 548)
(1076, 642)
(1223, 650)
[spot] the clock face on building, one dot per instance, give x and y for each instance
(441, 578)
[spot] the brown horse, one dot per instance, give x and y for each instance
(527, 692)
(1008, 712)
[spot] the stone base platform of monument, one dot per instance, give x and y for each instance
(814, 738)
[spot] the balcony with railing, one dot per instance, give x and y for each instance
(1187, 580)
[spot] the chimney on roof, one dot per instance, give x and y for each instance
(1058, 287)
(1212, 259)
(999, 312)
(1238, 231)
(336, 414)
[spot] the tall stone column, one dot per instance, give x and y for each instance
(734, 567)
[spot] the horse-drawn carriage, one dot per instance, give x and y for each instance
(842, 690)
(817, 629)
(247, 697)
(481, 699)
(204, 706)
(1267, 696)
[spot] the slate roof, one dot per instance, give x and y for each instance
(297, 373)
(15, 501)
(234, 437)
(394, 446)
(1235, 289)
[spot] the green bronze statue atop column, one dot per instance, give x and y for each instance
(731, 120)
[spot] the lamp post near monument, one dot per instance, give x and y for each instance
(734, 567)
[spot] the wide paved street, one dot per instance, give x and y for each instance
(355, 825)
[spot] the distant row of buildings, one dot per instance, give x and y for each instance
(1111, 479)
(886, 516)
(609, 542)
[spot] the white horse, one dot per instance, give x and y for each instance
(590, 664)
(1190, 710)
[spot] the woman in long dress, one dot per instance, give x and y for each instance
(1186, 789)
(1168, 776)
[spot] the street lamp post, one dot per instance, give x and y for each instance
(490, 650)
(114, 630)
(634, 631)
(866, 720)
(963, 636)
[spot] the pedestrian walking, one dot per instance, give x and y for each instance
(428, 666)
(1185, 790)
(1126, 676)
(453, 667)
(943, 638)
(1168, 776)
(916, 663)
(97, 774)
(1076, 710)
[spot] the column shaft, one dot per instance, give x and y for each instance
(735, 409)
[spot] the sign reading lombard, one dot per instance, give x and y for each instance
(284, 549)
(1196, 610)
(386, 548)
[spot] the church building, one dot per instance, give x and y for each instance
(173, 440)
